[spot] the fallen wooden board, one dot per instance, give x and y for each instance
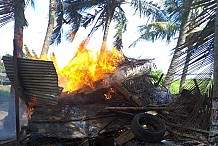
(124, 137)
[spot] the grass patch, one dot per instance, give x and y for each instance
(174, 88)
(205, 84)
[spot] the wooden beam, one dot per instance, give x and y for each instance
(131, 98)
(17, 94)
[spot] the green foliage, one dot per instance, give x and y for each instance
(77, 14)
(2, 68)
(156, 30)
(174, 88)
(155, 76)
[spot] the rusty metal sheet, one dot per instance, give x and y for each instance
(38, 79)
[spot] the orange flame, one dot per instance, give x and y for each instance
(87, 66)
(109, 94)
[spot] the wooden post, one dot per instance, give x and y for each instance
(159, 80)
(197, 87)
(17, 93)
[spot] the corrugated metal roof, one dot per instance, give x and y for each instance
(38, 79)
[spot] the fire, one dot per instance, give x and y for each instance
(88, 66)
(108, 95)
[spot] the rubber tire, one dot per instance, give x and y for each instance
(148, 135)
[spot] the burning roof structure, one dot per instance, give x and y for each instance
(102, 94)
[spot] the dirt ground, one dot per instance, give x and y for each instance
(4, 103)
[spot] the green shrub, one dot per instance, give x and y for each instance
(155, 76)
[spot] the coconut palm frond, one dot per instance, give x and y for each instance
(57, 32)
(31, 2)
(197, 51)
(99, 21)
(73, 13)
(199, 38)
(19, 14)
(9, 8)
(145, 8)
(56, 35)
(6, 12)
(120, 27)
(84, 13)
(66, 13)
(205, 4)
(207, 11)
(134, 43)
(6, 19)
(202, 52)
(83, 5)
(177, 10)
(157, 30)
(74, 20)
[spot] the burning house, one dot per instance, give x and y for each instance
(96, 97)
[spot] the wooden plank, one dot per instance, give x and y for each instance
(131, 98)
(124, 137)
(85, 142)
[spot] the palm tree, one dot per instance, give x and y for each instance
(75, 14)
(204, 54)
(160, 27)
(48, 36)
(181, 40)
(13, 10)
(177, 17)
(201, 44)
(120, 29)
(20, 23)
(113, 11)
(187, 60)
(199, 50)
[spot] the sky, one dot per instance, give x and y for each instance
(35, 32)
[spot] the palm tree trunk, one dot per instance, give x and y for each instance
(109, 15)
(19, 23)
(214, 115)
(181, 40)
(119, 43)
(47, 40)
(13, 112)
(172, 68)
(106, 31)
